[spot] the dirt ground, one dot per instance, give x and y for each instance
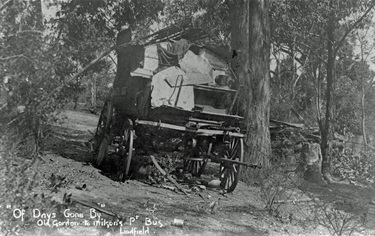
(97, 205)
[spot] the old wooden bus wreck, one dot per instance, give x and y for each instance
(172, 83)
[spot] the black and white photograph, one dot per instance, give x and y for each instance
(187, 117)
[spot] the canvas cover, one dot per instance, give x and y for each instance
(174, 68)
(165, 95)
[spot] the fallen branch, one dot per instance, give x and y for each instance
(166, 175)
(300, 126)
(292, 201)
(10, 57)
(299, 117)
(68, 198)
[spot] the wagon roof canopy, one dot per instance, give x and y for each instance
(183, 30)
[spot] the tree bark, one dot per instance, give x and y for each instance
(311, 163)
(363, 113)
(251, 63)
(93, 91)
(326, 131)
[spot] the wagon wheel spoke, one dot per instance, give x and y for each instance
(234, 148)
(195, 165)
(127, 142)
(103, 135)
(229, 171)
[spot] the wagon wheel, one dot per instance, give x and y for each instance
(229, 171)
(127, 140)
(196, 165)
(103, 134)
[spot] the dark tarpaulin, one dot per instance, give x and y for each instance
(171, 56)
(166, 58)
(180, 47)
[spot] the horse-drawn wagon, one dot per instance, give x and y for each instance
(170, 83)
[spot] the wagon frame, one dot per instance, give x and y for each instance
(207, 135)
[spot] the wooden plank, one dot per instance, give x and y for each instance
(211, 88)
(223, 115)
(201, 132)
(288, 124)
(166, 175)
(240, 163)
(206, 121)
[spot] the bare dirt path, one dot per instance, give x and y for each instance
(96, 205)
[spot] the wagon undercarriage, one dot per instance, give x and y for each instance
(189, 95)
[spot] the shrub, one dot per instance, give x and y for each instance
(358, 167)
(19, 184)
(336, 221)
(274, 185)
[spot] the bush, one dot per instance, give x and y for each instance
(18, 187)
(358, 167)
(274, 186)
(336, 221)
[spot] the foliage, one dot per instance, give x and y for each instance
(86, 27)
(209, 15)
(356, 167)
(19, 186)
(103, 83)
(39, 56)
(274, 185)
(337, 222)
(297, 33)
(27, 74)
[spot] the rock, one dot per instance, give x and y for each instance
(214, 183)
(195, 189)
(144, 170)
(298, 147)
(178, 222)
(81, 186)
(202, 187)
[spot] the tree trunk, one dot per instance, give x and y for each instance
(363, 112)
(326, 130)
(251, 63)
(93, 92)
(311, 163)
(38, 14)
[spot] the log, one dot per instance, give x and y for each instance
(241, 163)
(300, 126)
(166, 175)
(293, 201)
(68, 198)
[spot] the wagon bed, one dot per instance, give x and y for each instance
(190, 91)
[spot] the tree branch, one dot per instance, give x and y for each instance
(290, 54)
(105, 53)
(4, 5)
(30, 31)
(313, 52)
(301, 67)
(10, 57)
(351, 28)
(113, 60)
(15, 56)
